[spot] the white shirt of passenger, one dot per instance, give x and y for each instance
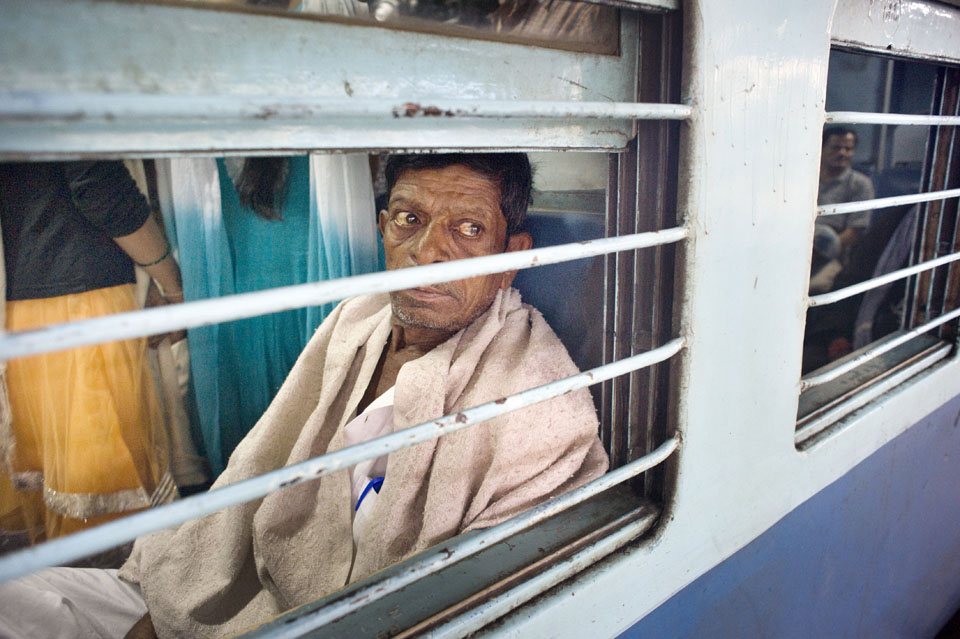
(367, 476)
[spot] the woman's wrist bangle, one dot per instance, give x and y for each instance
(156, 261)
(165, 295)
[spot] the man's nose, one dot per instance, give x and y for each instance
(433, 245)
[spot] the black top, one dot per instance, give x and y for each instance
(59, 219)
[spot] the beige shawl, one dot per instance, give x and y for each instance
(238, 567)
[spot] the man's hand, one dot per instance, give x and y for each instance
(143, 629)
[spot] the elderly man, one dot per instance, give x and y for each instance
(379, 364)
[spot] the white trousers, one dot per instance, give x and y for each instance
(65, 603)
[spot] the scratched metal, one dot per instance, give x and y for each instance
(858, 117)
(163, 319)
(822, 409)
(342, 603)
(647, 5)
(811, 380)
(401, 608)
(49, 48)
(207, 108)
(87, 542)
(844, 293)
(909, 27)
(883, 202)
(477, 618)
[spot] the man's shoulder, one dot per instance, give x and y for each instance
(352, 319)
(859, 178)
(530, 344)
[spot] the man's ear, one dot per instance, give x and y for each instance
(516, 242)
(519, 242)
(382, 221)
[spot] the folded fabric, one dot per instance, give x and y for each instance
(238, 567)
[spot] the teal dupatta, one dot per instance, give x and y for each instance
(328, 230)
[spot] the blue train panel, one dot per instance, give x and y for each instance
(875, 554)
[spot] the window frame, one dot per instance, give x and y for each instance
(97, 132)
(832, 392)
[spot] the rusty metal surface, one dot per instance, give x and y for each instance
(260, 73)
(422, 608)
(907, 27)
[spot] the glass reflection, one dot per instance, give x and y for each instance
(863, 162)
(580, 25)
(214, 227)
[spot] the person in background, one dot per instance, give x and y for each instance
(248, 224)
(829, 330)
(86, 442)
(840, 183)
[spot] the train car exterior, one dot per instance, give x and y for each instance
(773, 501)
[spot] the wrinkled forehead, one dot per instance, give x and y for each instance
(454, 185)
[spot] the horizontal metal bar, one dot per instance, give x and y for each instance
(841, 294)
(883, 202)
(475, 619)
(860, 117)
(433, 561)
(20, 106)
(812, 380)
(88, 542)
(862, 396)
(164, 319)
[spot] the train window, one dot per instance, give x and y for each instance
(581, 26)
(883, 286)
(222, 251)
(604, 215)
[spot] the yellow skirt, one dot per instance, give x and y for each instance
(87, 442)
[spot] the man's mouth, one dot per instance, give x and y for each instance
(427, 292)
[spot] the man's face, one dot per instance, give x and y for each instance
(838, 151)
(438, 215)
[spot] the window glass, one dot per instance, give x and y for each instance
(867, 161)
(582, 26)
(237, 225)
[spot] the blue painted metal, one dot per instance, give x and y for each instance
(875, 554)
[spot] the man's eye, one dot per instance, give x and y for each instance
(405, 218)
(469, 229)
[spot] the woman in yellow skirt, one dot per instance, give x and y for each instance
(86, 442)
